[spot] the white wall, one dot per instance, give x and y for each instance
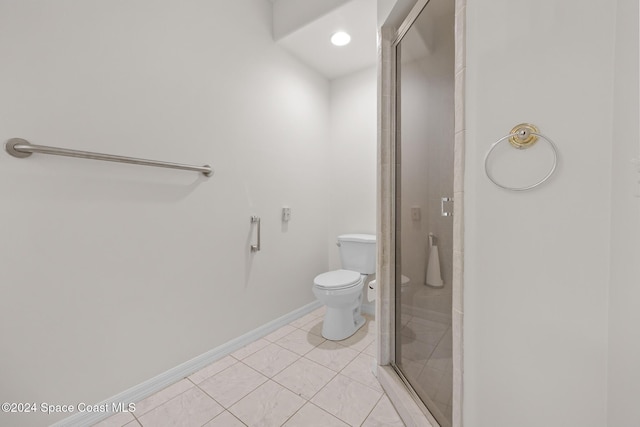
(112, 273)
(352, 150)
(624, 292)
(537, 263)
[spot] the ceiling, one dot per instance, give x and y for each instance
(309, 39)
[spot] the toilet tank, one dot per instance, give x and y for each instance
(358, 252)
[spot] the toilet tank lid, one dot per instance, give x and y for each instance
(364, 238)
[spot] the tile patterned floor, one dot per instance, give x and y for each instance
(292, 378)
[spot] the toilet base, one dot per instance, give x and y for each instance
(340, 323)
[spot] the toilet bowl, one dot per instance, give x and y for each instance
(341, 292)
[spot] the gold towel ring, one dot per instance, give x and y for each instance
(522, 137)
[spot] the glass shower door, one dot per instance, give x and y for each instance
(424, 188)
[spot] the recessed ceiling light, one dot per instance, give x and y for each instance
(340, 38)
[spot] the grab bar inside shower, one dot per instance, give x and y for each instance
(22, 148)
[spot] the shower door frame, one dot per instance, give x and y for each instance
(407, 402)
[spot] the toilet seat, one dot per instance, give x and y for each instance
(337, 280)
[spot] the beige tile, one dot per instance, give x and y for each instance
(383, 415)
(250, 348)
(279, 333)
(225, 419)
(458, 170)
(268, 405)
(162, 396)
(370, 349)
(304, 377)
(320, 312)
(271, 359)
(314, 326)
(133, 423)
(232, 384)
(360, 369)
(347, 399)
(117, 420)
(212, 369)
(191, 408)
(300, 342)
(360, 340)
(312, 416)
(460, 31)
(303, 320)
(459, 120)
(332, 355)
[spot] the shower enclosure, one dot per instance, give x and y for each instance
(424, 150)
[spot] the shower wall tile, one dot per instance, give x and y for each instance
(458, 285)
(458, 162)
(458, 224)
(459, 101)
(458, 358)
(461, 17)
(386, 165)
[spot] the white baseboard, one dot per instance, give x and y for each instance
(159, 382)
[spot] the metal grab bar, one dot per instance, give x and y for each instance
(21, 148)
(256, 247)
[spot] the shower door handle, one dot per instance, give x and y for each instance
(443, 200)
(256, 247)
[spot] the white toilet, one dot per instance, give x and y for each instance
(341, 290)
